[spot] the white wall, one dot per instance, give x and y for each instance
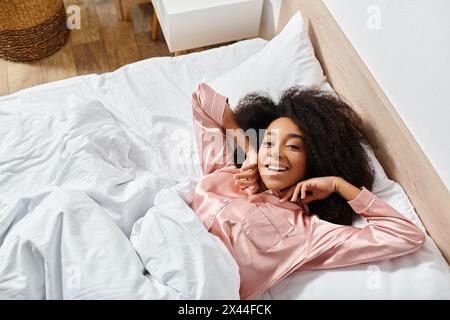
(406, 46)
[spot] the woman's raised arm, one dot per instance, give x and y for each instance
(212, 116)
(388, 235)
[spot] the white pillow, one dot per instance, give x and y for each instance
(287, 60)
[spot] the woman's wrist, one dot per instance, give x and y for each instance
(345, 189)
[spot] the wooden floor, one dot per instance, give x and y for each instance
(102, 44)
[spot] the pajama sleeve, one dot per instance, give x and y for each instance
(388, 235)
(208, 108)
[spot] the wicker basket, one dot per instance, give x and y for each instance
(31, 29)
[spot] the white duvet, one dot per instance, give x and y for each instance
(68, 247)
(80, 219)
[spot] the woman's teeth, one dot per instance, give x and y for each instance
(276, 169)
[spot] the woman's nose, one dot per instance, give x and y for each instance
(275, 153)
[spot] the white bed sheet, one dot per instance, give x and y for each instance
(110, 143)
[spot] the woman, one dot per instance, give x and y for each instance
(290, 206)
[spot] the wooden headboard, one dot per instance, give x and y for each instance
(394, 146)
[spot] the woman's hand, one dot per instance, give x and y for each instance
(247, 179)
(312, 189)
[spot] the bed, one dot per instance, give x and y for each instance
(91, 166)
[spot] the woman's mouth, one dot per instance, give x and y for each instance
(276, 169)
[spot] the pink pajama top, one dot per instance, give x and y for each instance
(270, 240)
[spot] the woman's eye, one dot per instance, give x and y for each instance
(267, 143)
(292, 146)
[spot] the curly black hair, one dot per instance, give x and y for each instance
(333, 136)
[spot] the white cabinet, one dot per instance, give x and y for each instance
(189, 24)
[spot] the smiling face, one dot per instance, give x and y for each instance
(282, 155)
